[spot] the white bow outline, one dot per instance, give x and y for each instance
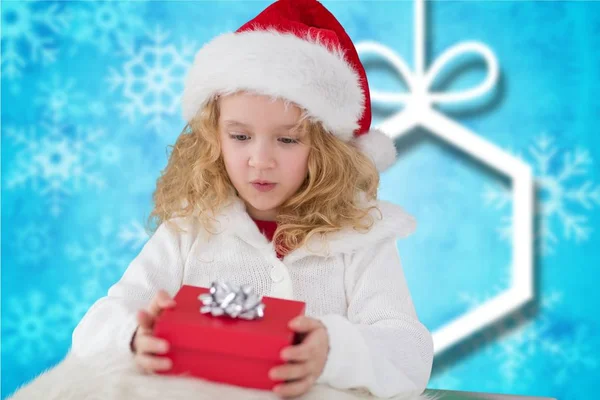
(419, 84)
(419, 98)
(419, 111)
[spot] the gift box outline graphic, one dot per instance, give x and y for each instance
(419, 111)
(224, 349)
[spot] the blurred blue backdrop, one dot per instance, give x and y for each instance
(90, 96)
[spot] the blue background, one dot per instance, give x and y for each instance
(90, 102)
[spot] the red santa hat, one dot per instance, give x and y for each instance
(296, 50)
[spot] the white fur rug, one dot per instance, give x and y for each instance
(117, 378)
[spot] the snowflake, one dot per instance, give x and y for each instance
(531, 338)
(551, 299)
(152, 78)
(28, 28)
(473, 301)
(523, 334)
(96, 253)
(500, 196)
(562, 198)
(516, 352)
(61, 101)
(574, 356)
(134, 234)
(74, 303)
(29, 329)
(101, 24)
(58, 163)
(512, 347)
(32, 243)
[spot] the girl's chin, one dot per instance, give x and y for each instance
(261, 201)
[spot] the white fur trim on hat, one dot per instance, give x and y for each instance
(379, 146)
(280, 65)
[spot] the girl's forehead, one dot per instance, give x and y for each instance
(241, 123)
(253, 111)
(251, 100)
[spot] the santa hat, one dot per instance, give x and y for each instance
(296, 50)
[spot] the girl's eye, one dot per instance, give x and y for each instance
(243, 138)
(237, 137)
(289, 140)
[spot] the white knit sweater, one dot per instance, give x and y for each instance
(355, 285)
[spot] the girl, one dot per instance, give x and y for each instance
(273, 183)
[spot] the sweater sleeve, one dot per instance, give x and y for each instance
(111, 321)
(380, 346)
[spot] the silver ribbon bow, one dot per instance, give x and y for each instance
(228, 299)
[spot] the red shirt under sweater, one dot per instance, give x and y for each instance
(268, 229)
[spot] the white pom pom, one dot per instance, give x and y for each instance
(379, 146)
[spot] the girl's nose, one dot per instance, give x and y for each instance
(262, 156)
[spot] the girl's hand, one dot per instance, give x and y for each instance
(305, 361)
(144, 344)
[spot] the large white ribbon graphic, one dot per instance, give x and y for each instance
(419, 110)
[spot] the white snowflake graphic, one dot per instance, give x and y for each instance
(29, 30)
(29, 329)
(514, 354)
(564, 194)
(60, 101)
(565, 357)
(472, 301)
(98, 253)
(32, 242)
(101, 24)
(574, 354)
(72, 304)
(528, 339)
(522, 336)
(152, 78)
(134, 235)
(499, 197)
(59, 163)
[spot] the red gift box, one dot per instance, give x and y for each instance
(224, 349)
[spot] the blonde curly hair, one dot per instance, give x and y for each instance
(195, 183)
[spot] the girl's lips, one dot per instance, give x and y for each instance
(264, 187)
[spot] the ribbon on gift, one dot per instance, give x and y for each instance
(227, 299)
(419, 98)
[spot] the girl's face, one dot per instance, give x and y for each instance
(259, 142)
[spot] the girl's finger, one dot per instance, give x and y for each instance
(152, 363)
(152, 345)
(290, 371)
(305, 350)
(296, 353)
(160, 301)
(145, 320)
(305, 324)
(295, 388)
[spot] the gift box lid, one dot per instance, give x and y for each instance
(185, 326)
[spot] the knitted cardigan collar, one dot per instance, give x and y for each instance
(393, 222)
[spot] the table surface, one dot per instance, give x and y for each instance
(457, 395)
